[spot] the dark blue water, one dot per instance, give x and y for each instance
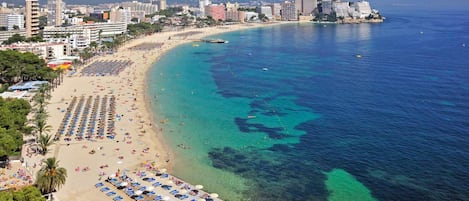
(396, 118)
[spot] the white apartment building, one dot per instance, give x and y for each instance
(44, 50)
(276, 9)
(120, 15)
(147, 8)
(15, 20)
(77, 37)
(4, 35)
(266, 10)
(81, 36)
(108, 29)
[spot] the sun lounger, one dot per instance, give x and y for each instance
(99, 184)
(111, 193)
(104, 189)
(118, 198)
(157, 184)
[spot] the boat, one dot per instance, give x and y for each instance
(358, 56)
(251, 117)
(195, 45)
(265, 69)
(216, 41)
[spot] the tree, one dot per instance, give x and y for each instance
(29, 193)
(16, 66)
(42, 22)
(12, 120)
(13, 39)
(51, 177)
(45, 141)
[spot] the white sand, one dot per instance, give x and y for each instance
(127, 86)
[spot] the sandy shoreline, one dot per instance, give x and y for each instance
(139, 140)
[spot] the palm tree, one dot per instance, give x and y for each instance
(44, 142)
(51, 177)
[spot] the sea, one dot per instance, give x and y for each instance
(307, 111)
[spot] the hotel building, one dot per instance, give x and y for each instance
(32, 18)
(306, 7)
(54, 12)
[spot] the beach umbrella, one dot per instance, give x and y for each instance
(165, 198)
(149, 188)
(201, 199)
(123, 184)
(199, 187)
(119, 162)
(183, 191)
(162, 170)
(214, 195)
(112, 176)
(169, 182)
(138, 192)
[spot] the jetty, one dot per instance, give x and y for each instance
(211, 40)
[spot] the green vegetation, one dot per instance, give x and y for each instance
(42, 22)
(19, 38)
(29, 193)
(13, 120)
(16, 66)
(144, 28)
(41, 128)
(51, 177)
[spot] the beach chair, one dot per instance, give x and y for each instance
(104, 189)
(174, 192)
(140, 197)
(99, 184)
(156, 184)
(118, 198)
(111, 193)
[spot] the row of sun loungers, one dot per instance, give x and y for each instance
(105, 68)
(137, 191)
(82, 117)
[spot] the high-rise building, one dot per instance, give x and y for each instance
(202, 5)
(54, 12)
(32, 18)
(306, 7)
(147, 8)
(276, 7)
(162, 4)
(266, 10)
(121, 15)
(217, 12)
(289, 12)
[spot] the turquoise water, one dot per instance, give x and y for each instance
(290, 113)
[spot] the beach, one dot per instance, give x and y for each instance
(138, 142)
